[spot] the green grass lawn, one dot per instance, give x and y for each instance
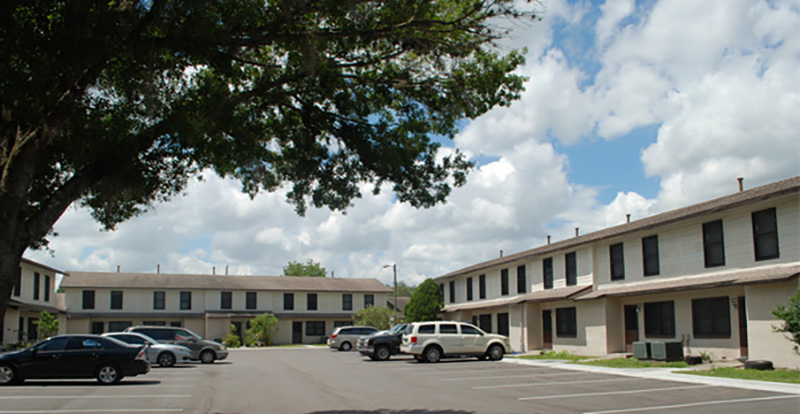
(632, 363)
(791, 376)
(563, 355)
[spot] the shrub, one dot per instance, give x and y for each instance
(262, 330)
(790, 314)
(232, 340)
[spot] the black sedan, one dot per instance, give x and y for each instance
(74, 356)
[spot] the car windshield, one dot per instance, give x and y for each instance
(397, 328)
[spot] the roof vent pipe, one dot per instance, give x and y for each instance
(628, 218)
(576, 231)
(158, 269)
(213, 270)
(741, 183)
(548, 239)
(226, 270)
(117, 268)
(501, 253)
(333, 274)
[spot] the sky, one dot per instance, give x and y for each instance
(631, 107)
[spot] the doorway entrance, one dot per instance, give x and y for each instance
(297, 332)
(631, 327)
(547, 329)
(740, 306)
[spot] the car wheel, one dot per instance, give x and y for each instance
(166, 359)
(207, 356)
(108, 374)
(345, 346)
(382, 353)
(495, 352)
(432, 353)
(8, 375)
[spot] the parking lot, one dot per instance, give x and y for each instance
(318, 380)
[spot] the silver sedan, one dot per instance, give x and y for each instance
(165, 355)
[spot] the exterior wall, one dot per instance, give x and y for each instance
(764, 342)
(47, 300)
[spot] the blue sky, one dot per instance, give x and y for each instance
(630, 108)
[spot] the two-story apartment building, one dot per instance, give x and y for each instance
(34, 292)
(707, 275)
(307, 308)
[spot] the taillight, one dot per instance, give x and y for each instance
(140, 355)
(334, 336)
(413, 339)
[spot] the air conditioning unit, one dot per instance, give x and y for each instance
(641, 350)
(667, 351)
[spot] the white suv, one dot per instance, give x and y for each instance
(431, 341)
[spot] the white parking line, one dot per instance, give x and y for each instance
(511, 376)
(588, 394)
(540, 384)
(446, 371)
(87, 397)
(668, 407)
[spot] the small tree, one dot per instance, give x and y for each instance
(790, 314)
(309, 268)
(232, 340)
(402, 288)
(425, 304)
(377, 316)
(47, 325)
(262, 330)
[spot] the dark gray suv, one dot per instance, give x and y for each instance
(203, 350)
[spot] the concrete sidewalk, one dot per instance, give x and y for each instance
(667, 374)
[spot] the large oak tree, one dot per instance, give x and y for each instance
(116, 104)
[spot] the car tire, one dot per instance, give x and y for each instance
(345, 347)
(8, 375)
(419, 358)
(432, 353)
(208, 357)
(382, 353)
(166, 359)
(495, 352)
(108, 374)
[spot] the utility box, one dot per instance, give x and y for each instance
(667, 351)
(641, 350)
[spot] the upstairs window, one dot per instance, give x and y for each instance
(46, 288)
(469, 288)
(186, 300)
(159, 300)
(650, 255)
(482, 287)
(522, 281)
(369, 300)
(452, 291)
(251, 300)
(617, 261)
(571, 269)
(36, 286)
(347, 301)
(225, 300)
(713, 244)
(547, 272)
(311, 303)
(765, 234)
(88, 299)
(504, 282)
(116, 299)
(288, 301)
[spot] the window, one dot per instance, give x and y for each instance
(441, 290)
(337, 324)
(485, 322)
(35, 286)
(617, 261)
(46, 288)
(97, 328)
(713, 244)
(502, 323)
(347, 301)
(186, 300)
(426, 329)
(225, 300)
(571, 263)
(116, 299)
(159, 300)
(288, 301)
(118, 326)
(659, 319)
(18, 285)
(566, 322)
(765, 234)
(369, 300)
(448, 328)
(650, 255)
(251, 300)
(311, 303)
(482, 287)
(469, 288)
(504, 282)
(547, 272)
(33, 334)
(315, 328)
(521, 280)
(452, 286)
(88, 299)
(711, 318)
(469, 330)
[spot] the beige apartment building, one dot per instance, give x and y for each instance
(707, 275)
(34, 292)
(307, 308)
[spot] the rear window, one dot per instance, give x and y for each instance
(426, 329)
(469, 330)
(448, 328)
(157, 334)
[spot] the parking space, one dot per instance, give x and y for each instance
(323, 381)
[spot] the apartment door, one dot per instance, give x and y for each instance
(547, 329)
(742, 326)
(297, 332)
(631, 327)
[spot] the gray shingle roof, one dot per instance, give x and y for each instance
(78, 279)
(776, 189)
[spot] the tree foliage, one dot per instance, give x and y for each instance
(403, 289)
(47, 325)
(426, 302)
(309, 268)
(116, 105)
(262, 330)
(232, 340)
(378, 316)
(790, 314)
